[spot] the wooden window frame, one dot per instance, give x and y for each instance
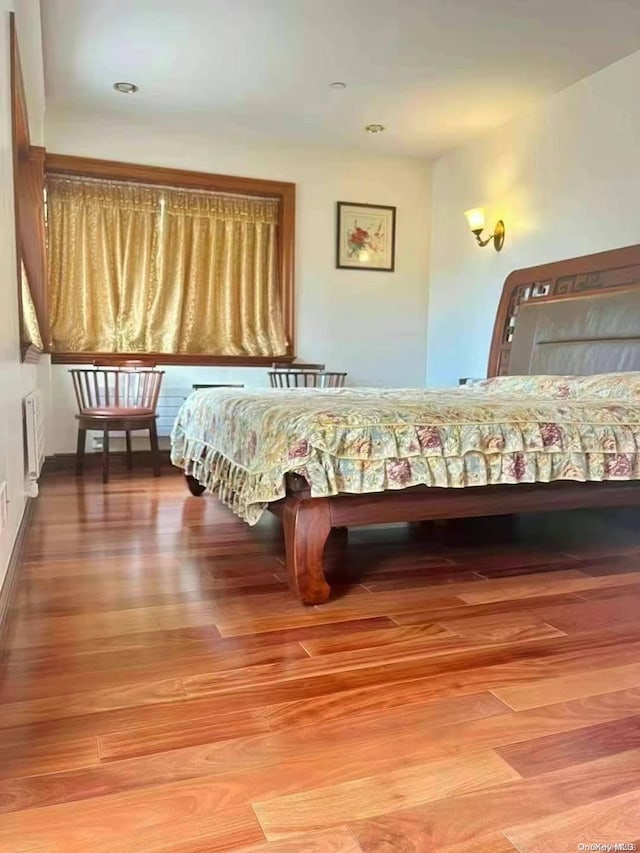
(283, 191)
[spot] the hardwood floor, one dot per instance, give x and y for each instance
(470, 687)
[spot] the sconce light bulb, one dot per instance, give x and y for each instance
(475, 218)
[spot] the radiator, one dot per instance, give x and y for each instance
(169, 402)
(34, 432)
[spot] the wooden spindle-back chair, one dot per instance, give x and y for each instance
(296, 365)
(123, 400)
(306, 379)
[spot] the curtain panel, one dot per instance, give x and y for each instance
(139, 268)
(30, 332)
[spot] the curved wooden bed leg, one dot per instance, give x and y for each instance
(195, 487)
(307, 525)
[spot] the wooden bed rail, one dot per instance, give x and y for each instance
(308, 522)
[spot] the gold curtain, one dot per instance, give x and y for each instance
(102, 237)
(30, 326)
(150, 269)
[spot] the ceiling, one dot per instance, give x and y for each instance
(434, 72)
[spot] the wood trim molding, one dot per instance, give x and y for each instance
(28, 181)
(109, 359)
(573, 277)
(19, 139)
(9, 586)
(120, 171)
(19, 113)
(66, 462)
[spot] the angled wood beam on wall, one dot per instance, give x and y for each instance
(28, 176)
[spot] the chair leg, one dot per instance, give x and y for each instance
(129, 454)
(155, 450)
(82, 440)
(105, 456)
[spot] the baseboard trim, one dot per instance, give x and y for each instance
(10, 584)
(66, 462)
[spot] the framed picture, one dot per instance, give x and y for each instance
(366, 237)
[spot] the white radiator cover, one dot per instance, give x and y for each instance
(34, 433)
(169, 402)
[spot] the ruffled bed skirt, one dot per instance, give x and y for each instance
(248, 492)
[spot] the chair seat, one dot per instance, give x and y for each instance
(118, 412)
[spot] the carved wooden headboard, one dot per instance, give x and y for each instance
(561, 281)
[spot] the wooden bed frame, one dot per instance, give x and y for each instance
(308, 522)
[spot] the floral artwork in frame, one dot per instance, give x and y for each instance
(366, 237)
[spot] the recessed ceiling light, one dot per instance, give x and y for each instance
(125, 88)
(337, 84)
(374, 128)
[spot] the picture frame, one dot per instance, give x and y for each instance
(365, 237)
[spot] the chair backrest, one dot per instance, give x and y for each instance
(306, 379)
(121, 389)
(296, 365)
(331, 379)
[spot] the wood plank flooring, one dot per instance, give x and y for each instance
(470, 688)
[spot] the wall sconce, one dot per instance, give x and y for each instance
(475, 218)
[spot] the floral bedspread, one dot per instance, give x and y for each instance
(241, 444)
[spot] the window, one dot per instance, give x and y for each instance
(185, 267)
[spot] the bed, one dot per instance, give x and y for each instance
(555, 426)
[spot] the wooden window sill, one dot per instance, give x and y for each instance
(184, 359)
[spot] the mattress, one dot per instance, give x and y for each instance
(241, 444)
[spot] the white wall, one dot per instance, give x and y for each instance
(16, 379)
(370, 324)
(565, 178)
